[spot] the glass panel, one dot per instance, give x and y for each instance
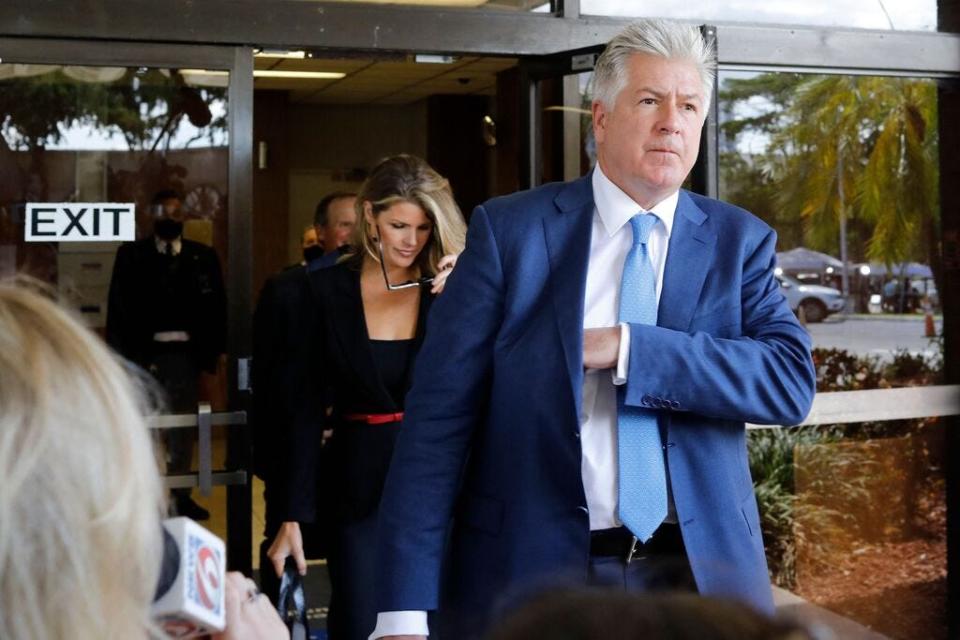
(900, 15)
(74, 134)
(845, 168)
(854, 522)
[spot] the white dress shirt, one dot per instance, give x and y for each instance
(611, 239)
(175, 245)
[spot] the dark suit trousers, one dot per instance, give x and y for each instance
(353, 576)
(174, 369)
(666, 569)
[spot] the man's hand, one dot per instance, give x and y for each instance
(601, 347)
(288, 542)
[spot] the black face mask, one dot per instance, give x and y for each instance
(168, 229)
(312, 253)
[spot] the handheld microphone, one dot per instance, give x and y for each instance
(189, 601)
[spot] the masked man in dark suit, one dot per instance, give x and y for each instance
(167, 313)
(577, 413)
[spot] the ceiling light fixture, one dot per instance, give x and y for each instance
(270, 73)
(427, 58)
(315, 75)
(203, 72)
(281, 53)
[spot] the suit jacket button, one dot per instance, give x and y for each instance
(645, 400)
(659, 403)
(674, 404)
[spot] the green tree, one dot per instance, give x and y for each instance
(864, 148)
(861, 146)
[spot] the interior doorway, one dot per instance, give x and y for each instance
(321, 120)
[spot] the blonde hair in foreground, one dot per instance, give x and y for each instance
(80, 496)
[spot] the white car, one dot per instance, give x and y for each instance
(817, 301)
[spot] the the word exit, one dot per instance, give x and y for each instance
(79, 221)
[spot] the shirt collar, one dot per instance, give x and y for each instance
(176, 244)
(615, 207)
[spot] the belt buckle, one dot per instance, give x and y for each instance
(634, 541)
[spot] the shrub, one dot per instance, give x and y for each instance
(847, 474)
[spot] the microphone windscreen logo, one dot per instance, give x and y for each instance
(206, 585)
(208, 579)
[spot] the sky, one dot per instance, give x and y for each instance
(905, 15)
(90, 138)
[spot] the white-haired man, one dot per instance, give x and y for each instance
(578, 409)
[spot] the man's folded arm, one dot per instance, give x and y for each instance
(765, 376)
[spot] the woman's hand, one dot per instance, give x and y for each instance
(250, 616)
(289, 542)
(445, 268)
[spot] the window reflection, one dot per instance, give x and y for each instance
(854, 515)
(106, 134)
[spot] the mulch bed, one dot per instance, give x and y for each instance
(897, 588)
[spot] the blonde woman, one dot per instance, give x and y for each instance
(80, 497)
(372, 309)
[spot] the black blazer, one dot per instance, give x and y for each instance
(283, 322)
(132, 303)
(344, 371)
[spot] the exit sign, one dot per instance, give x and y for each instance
(79, 221)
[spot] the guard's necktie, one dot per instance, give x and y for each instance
(643, 483)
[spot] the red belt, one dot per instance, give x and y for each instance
(374, 418)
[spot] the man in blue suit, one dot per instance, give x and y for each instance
(578, 408)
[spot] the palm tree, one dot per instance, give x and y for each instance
(862, 149)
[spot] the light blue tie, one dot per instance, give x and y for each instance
(643, 483)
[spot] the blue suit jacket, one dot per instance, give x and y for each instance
(486, 476)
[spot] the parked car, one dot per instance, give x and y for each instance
(817, 302)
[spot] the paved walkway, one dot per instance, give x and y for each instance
(879, 336)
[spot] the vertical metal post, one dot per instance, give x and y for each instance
(705, 177)
(567, 8)
(240, 269)
(948, 107)
(204, 448)
(531, 153)
(572, 146)
(844, 277)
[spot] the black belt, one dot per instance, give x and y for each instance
(619, 542)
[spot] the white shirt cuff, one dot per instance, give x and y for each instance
(623, 357)
(400, 623)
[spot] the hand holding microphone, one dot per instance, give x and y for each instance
(250, 616)
(196, 597)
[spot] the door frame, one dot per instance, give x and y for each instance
(238, 61)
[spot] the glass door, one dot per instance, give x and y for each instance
(152, 129)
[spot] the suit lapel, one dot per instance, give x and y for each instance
(689, 257)
(567, 233)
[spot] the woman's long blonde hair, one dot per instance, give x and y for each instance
(406, 178)
(80, 492)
